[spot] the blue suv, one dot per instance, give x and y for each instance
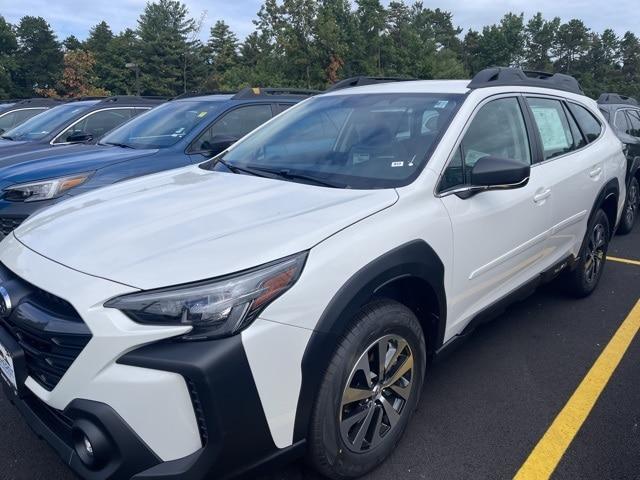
(187, 130)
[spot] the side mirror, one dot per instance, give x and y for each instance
(493, 173)
(79, 137)
(217, 144)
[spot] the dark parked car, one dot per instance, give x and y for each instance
(623, 114)
(16, 112)
(184, 131)
(78, 121)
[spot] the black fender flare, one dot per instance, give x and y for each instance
(413, 259)
(612, 187)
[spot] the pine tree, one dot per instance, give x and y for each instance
(164, 29)
(8, 47)
(222, 53)
(540, 39)
(38, 57)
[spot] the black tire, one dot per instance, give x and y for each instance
(331, 451)
(584, 278)
(631, 207)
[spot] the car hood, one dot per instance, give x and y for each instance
(8, 144)
(28, 165)
(190, 224)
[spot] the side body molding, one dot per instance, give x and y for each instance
(413, 260)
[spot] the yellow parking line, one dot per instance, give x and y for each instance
(624, 260)
(549, 451)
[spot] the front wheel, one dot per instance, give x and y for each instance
(631, 207)
(584, 278)
(370, 390)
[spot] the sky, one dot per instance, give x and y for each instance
(72, 17)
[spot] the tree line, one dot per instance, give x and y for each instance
(303, 43)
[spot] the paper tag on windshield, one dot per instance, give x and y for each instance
(441, 104)
(397, 164)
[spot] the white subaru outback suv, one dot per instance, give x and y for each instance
(285, 298)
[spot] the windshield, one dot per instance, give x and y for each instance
(348, 141)
(38, 127)
(163, 126)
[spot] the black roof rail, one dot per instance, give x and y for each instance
(362, 80)
(130, 99)
(616, 99)
(83, 99)
(204, 93)
(507, 77)
(38, 102)
(253, 92)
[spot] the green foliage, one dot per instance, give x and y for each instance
(8, 48)
(164, 30)
(221, 56)
(38, 58)
(313, 43)
(71, 43)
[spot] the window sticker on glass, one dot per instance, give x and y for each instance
(202, 114)
(551, 128)
(441, 104)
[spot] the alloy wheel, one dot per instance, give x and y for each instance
(595, 252)
(376, 393)
(632, 203)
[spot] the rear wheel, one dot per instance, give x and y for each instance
(369, 391)
(630, 208)
(584, 278)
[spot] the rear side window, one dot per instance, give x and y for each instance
(234, 124)
(589, 125)
(634, 118)
(497, 130)
(621, 122)
(281, 107)
(98, 123)
(553, 126)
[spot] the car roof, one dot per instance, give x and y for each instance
(205, 98)
(248, 94)
(408, 86)
(123, 101)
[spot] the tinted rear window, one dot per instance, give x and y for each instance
(589, 125)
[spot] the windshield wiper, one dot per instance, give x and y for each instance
(289, 175)
(6, 137)
(236, 169)
(116, 144)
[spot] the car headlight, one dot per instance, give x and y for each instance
(216, 308)
(44, 189)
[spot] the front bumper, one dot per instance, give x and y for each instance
(168, 409)
(236, 438)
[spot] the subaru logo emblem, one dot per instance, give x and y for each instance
(5, 302)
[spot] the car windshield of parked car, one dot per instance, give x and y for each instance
(163, 126)
(348, 141)
(40, 126)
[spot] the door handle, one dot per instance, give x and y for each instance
(542, 196)
(595, 172)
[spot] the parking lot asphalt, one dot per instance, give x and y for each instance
(488, 403)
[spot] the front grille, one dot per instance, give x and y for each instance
(9, 224)
(49, 330)
(199, 412)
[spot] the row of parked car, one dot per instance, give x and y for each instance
(50, 149)
(283, 294)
